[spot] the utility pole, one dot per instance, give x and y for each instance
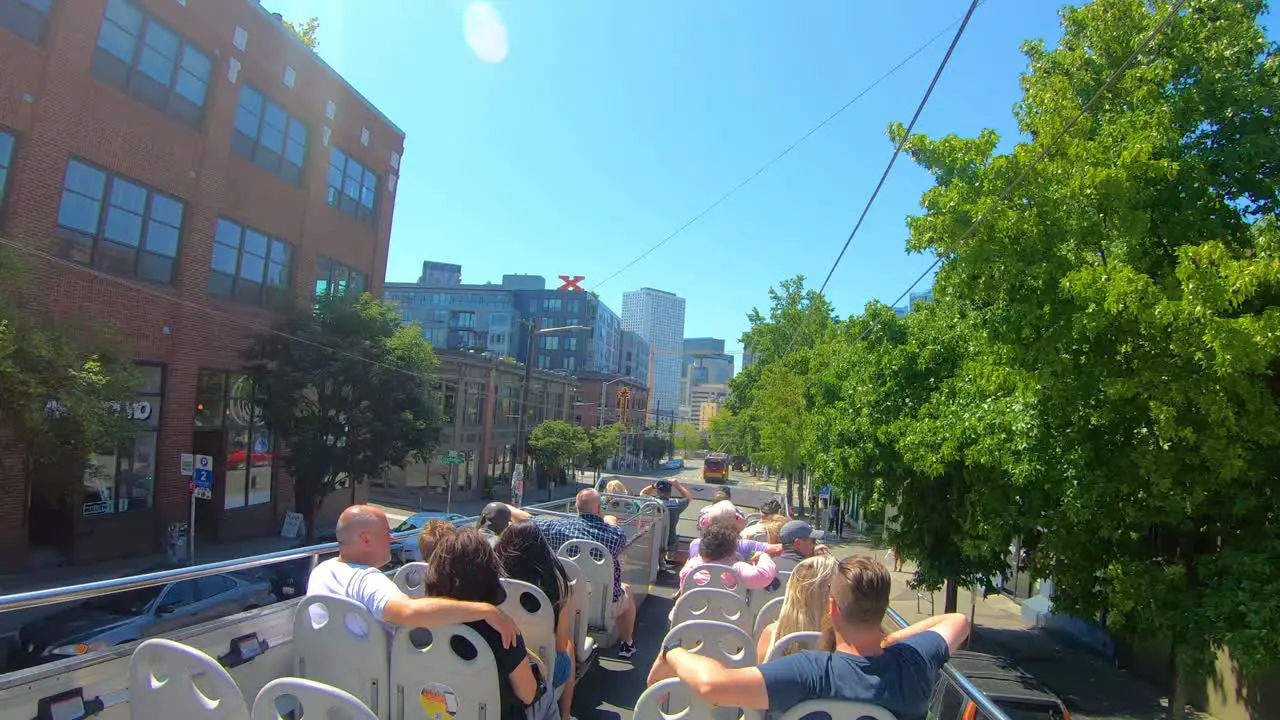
(521, 443)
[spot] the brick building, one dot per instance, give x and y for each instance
(176, 171)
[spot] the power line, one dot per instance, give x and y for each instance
(786, 151)
(897, 150)
(1048, 148)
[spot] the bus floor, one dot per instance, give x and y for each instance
(610, 690)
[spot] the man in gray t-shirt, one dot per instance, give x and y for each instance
(662, 490)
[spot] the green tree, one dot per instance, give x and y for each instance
(556, 443)
(65, 396)
(347, 389)
(1134, 279)
(604, 443)
(655, 448)
(686, 437)
(780, 412)
(307, 32)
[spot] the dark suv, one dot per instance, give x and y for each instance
(1019, 695)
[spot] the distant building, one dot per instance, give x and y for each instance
(633, 358)
(438, 274)
(704, 363)
(912, 299)
(658, 316)
(593, 350)
(703, 395)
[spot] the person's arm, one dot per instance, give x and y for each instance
(773, 549)
(610, 520)
(757, 575)
(684, 491)
(649, 491)
(517, 514)
(739, 687)
(953, 627)
(523, 684)
(765, 643)
(429, 612)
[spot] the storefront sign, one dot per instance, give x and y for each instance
(188, 464)
(139, 410)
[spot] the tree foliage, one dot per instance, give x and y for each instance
(556, 443)
(65, 395)
(686, 437)
(1099, 374)
(347, 390)
(603, 444)
(307, 32)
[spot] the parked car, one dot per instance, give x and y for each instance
(109, 620)
(404, 551)
(1011, 688)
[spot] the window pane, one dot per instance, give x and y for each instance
(197, 63)
(6, 149)
(162, 239)
(166, 210)
(150, 379)
(273, 127)
(84, 180)
(252, 267)
(137, 474)
(227, 233)
(190, 87)
(79, 212)
(260, 467)
(369, 190)
(237, 470)
(295, 150)
(240, 411)
(100, 484)
(249, 112)
(210, 394)
(119, 33)
(124, 213)
(155, 66)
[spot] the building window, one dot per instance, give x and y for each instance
(353, 189)
(571, 344)
(550, 304)
(334, 278)
(122, 479)
(549, 342)
(544, 362)
(232, 401)
(25, 18)
(463, 321)
(249, 266)
(117, 225)
(497, 338)
(6, 156)
(151, 62)
(269, 137)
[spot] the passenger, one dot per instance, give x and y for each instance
(769, 510)
(494, 518)
(590, 525)
(725, 512)
(799, 542)
(431, 535)
(364, 545)
(720, 545)
(615, 488)
(723, 495)
(675, 506)
(896, 672)
(525, 555)
(804, 608)
(465, 568)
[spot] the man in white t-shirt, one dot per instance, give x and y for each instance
(364, 545)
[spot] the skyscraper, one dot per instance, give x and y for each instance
(658, 317)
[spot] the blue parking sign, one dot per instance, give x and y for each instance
(202, 473)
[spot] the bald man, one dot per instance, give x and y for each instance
(364, 545)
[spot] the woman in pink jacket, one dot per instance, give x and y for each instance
(720, 545)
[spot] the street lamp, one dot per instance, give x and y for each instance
(521, 443)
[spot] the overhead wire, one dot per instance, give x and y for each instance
(1048, 148)
(725, 196)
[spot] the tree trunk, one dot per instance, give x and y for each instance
(1176, 709)
(951, 597)
(791, 497)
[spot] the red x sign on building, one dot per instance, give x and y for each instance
(571, 283)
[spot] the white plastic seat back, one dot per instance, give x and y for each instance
(623, 508)
(336, 641)
(444, 672)
(714, 575)
(411, 578)
(532, 612)
(712, 604)
(721, 641)
(179, 694)
(796, 640)
(671, 698)
(770, 613)
(281, 698)
(757, 599)
(597, 564)
(837, 710)
(753, 518)
(581, 588)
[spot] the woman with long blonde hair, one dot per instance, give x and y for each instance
(804, 608)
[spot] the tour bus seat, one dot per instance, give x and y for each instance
(597, 564)
(753, 518)
(757, 599)
(800, 640)
(721, 641)
(338, 642)
(837, 710)
(532, 612)
(307, 698)
(443, 672)
(715, 574)
(585, 644)
(712, 604)
(672, 698)
(411, 578)
(176, 695)
(770, 613)
(623, 508)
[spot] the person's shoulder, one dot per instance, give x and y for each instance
(928, 644)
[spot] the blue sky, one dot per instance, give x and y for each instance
(609, 124)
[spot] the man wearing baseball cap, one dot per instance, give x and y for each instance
(799, 542)
(661, 489)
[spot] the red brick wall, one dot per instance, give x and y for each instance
(49, 98)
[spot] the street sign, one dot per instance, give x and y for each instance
(517, 485)
(452, 459)
(825, 492)
(188, 464)
(202, 475)
(203, 493)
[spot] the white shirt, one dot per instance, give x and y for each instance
(361, 583)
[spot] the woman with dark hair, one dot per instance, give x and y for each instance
(525, 554)
(464, 567)
(720, 545)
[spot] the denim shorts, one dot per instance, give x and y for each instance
(560, 675)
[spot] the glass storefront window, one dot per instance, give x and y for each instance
(123, 479)
(232, 400)
(211, 391)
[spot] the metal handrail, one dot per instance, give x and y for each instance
(84, 591)
(979, 698)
